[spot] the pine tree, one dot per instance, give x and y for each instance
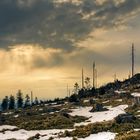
(73, 98)
(87, 82)
(36, 101)
(19, 99)
(4, 104)
(12, 102)
(27, 101)
(76, 88)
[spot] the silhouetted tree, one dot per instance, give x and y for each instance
(19, 99)
(27, 101)
(4, 104)
(36, 102)
(76, 88)
(87, 82)
(93, 91)
(81, 93)
(74, 98)
(101, 91)
(41, 102)
(12, 102)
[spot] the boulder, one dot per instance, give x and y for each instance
(125, 118)
(98, 107)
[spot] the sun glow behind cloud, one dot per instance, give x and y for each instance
(21, 68)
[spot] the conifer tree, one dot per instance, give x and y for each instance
(12, 102)
(76, 88)
(27, 101)
(36, 101)
(4, 104)
(19, 99)
(87, 82)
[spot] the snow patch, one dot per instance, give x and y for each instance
(46, 134)
(7, 113)
(24, 135)
(136, 94)
(98, 136)
(58, 105)
(16, 116)
(119, 100)
(86, 101)
(101, 136)
(98, 116)
(138, 129)
(120, 91)
(106, 101)
(9, 127)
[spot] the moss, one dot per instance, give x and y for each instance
(11, 139)
(51, 138)
(85, 131)
(128, 136)
(34, 137)
(41, 122)
(74, 138)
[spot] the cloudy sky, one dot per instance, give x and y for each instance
(45, 43)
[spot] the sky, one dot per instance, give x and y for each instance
(44, 44)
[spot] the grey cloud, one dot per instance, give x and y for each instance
(58, 25)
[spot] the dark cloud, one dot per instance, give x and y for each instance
(58, 24)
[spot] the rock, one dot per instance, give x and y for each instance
(98, 107)
(125, 118)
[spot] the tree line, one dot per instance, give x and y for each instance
(89, 91)
(12, 102)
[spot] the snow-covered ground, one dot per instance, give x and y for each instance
(98, 116)
(137, 129)
(7, 127)
(24, 135)
(106, 101)
(120, 91)
(7, 113)
(16, 116)
(46, 134)
(119, 100)
(59, 105)
(86, 101)
(101, 136)
(136, 94)
(82, 111)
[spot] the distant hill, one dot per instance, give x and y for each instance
(135, 80)
(129, 84)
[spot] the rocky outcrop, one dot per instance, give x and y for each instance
(125, 118)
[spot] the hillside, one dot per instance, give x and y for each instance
(128, 84)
